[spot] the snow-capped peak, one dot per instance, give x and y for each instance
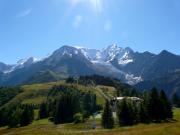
(23, 63)
(90, 54)
(108, 54)
(125, 59)
(99, 58)
(114, 52)
(66, 50)
(113, 47)
(79, 47)
(30, 60)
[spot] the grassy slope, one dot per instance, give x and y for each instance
(37, 93)
(44, 127)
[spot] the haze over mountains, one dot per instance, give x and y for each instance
(123, 63)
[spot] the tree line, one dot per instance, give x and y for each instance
(154, 107)
(176, 100)
(7, 93)
(19, 115)
(93, 80)
(64, 104)
(69, 105)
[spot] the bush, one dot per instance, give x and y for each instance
(78, 118)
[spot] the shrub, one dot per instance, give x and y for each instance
(78, 118)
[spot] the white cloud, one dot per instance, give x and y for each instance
(24, 13)
(77, 21)
(107, 26)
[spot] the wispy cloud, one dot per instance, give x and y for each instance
(108, 25)
(24, 13)
(77, 21)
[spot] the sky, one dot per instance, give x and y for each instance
(38, 27)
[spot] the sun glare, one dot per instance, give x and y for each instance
(95, 5)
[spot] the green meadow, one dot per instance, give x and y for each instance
(45, 127)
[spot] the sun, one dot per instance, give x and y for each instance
(95, 5)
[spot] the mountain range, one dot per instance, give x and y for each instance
(131, 67)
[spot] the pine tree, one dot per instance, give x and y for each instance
(165, 108)
(125, 113)
(70, 80)
(3, 118)
(58, 114)
(67, 106)
(176, 100)
(15, 118)
(154, 106)
(143, 114)
(27, 115)
(43, 112)
(107, 117)
(89, 103)
(134, 109)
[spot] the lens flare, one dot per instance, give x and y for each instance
(95, 5)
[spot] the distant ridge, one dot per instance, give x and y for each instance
(114, 61)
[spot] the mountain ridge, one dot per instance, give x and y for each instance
(122, 63)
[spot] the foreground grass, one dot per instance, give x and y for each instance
(44, 127)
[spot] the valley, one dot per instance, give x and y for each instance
(36, 94)
(89, 67)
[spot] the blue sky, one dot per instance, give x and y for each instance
(38, 27)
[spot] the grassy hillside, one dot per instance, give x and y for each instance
(45, 76)
(37, 93)
(44, 127)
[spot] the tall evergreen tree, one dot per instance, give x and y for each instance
(143, 114)
(89, 103)
(70, 80)
(107, 117)
(15, 118)
(134, 109)
(3, 117)
(27, 115)
(166, 108)
(43, 112)
(154, 106)
(176, 100)
(125, 113)
(67, 106)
